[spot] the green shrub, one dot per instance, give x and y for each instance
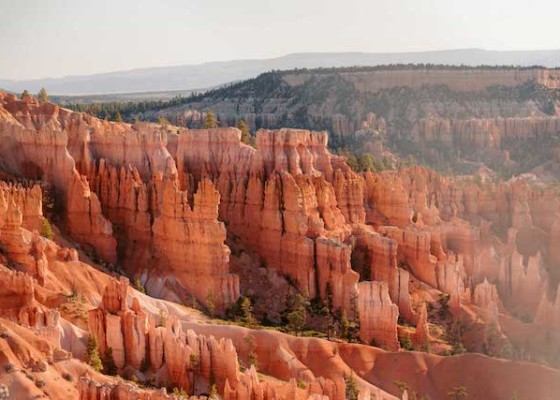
(46, 229)
(211, 121)
(405, 342)
(458, 393)
(138, 285)
(241, 311)
(92, 354)
(352, 392)
(297, 314)
(109, 366)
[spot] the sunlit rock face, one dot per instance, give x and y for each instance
(398, 251)
(176, 356)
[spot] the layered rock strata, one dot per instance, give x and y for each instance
(177, 358)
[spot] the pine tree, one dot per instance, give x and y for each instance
(211, 120)
(367, 162)
(25, 95)
(247, 312)
(405, 342)
(138, 285)
(458, 393)
(252, 357)
(354, 304)
(245, 134)
(297, 317)
(163, 121)
(353, 163)
(92, 354)
(352, 392)
(43, 96)
(46, 229)
(211, 303)
(193, 367)
(118, 117)
(109, 366)
(387, 164)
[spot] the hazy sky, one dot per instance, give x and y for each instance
(52, 38)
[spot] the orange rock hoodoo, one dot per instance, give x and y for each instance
(174, 357)
(298, 206)
(163, 206)
(280, 201)
(145, 203)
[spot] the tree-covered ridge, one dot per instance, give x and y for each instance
(107, 110)
(262, 85)
(416, 67)
(326, 99)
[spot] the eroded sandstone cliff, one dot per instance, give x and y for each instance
(466, 262)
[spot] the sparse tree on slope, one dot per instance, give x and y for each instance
(458, 393)
(245, 134)
(46, 229)
(211, 120)
(92, 354)
(351, 392)
(43, 96)
(163, 121)
(297, 317)
(109, 366)
(247, 312)
(194, 360)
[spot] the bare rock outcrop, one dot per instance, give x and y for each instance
(18, 304)
(421, 337)
(378, 315)
(89, 389)
(178, 357)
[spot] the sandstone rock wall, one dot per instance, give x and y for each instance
(74, 151)
(280, 201)
(18, 304)
(484, 133)
(167, 201)
(378, 315)
(176, 357)
(168, 226)
(89, 389)
(35, 145)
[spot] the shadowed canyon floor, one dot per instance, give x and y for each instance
(114, 236)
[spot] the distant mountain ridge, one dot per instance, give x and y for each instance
(211, 74)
